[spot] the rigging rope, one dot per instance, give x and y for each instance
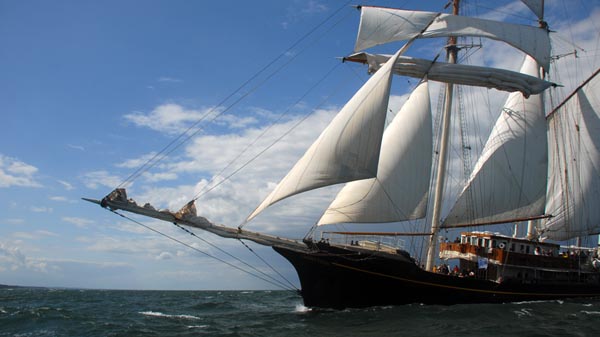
(185, 136)
(284, 113)
(269, 265)
(236, 258)
(207, 190)
(277, 284)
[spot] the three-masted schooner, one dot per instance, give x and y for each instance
(537, 167)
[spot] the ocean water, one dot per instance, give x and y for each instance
(68, 312)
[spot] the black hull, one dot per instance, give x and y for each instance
(334, 277)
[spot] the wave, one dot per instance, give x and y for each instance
(160, 314)
(538, 301)
(302, 309)
(523, 312)
(197, 326)
(594, 313)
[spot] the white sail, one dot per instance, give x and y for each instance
(500, 79)
(509, 179)
(536, 6)
(400, 190)
(348, 149)
(382, 25)
(574, 174)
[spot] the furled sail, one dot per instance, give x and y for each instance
(400, 190)
(348, 149)
(574, 174)
(509, 179)
(380, 25)
(500, 79)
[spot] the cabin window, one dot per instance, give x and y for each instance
(522, 248)
(512, 247)
(527, 250)
(494, 244)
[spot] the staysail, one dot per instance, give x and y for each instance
(380, 25)
(348, 149)
(574, 174)
(509, 180)
(400, 190)
(536, 6)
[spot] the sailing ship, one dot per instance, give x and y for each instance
(540, 168)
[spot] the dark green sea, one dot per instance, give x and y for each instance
(69, 312)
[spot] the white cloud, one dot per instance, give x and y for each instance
(14, 221)
(76, 147)
(233, 200)
(96, 179)
(164, 256)
(170, 118)
(169, 79)
(209, 154)
(14, 172)
(314, 7)
(68, 186)
(302, 9)
(79, 222)
(45, 233)
(235, 122)
(23, 235)
(11, 258)
(173, 118)
(35, 271)
(42, 209)
(34, 235)
(138, 162)
(162, 176)
(145, 243)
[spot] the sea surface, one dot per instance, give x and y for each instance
(71, 312)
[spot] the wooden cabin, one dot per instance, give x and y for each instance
(503, 258)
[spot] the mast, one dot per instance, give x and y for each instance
(452, 52)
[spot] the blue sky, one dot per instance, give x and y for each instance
(90, 89)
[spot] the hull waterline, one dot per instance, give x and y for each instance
(334, 277)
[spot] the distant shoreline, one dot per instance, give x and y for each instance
(3, 286)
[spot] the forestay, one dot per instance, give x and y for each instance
(400, 190)
(574, 176)
(500, 79)
(509, 180)
(383, 25)
(348, 149)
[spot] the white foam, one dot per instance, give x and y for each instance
(523, 312)
(301, 308)
(160, 314)
(591, 312)
(538, 301)
(197, 326)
